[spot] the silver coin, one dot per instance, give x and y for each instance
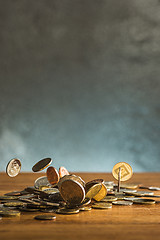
(41, 181)
(140, 193)
(124, 203)
(13, 167)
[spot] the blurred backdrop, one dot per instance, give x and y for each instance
(80, 83)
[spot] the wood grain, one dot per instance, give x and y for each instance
(120, 222)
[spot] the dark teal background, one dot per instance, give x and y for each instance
(80, 83)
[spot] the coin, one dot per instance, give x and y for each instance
(150, 188)
(101, 194)
(93, 182)
(126, 171)
(129, 185)
(9, 213)
(72, 191)
(63, 171)
(144, 201)
(5, 197)
(140, 193)
(93, 190)
(102, 205)
(130, 198)
(13, 167)
(109, 199)
(52, 175)
(42, 164)
(85, 202)
(124, 203)
(41, 181)
(14, 204)
(51, 190)
(67, 211)
(85, 208)
(45, 217)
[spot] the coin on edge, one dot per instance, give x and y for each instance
(52, 175)
(42, 164)
(45, 217)
(13, 167)
(63, 171)
(126, 171)
(101, 194)
(93, 190)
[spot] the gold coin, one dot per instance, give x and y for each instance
(13, 167)
(101, 194)
(67, 211)
(102, 205)
(45, 217)
(52, 175)
(72, 191)
(63, 171)
(92, 191)
(126, 171)
(42, 164)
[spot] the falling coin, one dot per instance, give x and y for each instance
(45, 217)
(42, 164)
(13, 167)
(52, 175)
(63, 171)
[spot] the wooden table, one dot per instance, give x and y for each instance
(120, 222)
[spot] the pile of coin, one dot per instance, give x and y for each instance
(60, 192)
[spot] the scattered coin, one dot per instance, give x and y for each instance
(140, 193)
(126, 171)
(93, 190)
(45, 217)
(42, 164)
(71, 189)
(144, 201)
(67, 211)
(52, 175)
(13, 167)
(150, 188)
(124, 203)
(102, 205)
(14, 204)
(9, 213)
(63, 171)
(101, 194)
(129, 185)
(109, 199)
(42, 181)
(5, 197)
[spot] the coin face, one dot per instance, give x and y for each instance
(42, 164)
(13, 167)
(63, 171)
(101, 194)
(41, 181)
(45, 217)
(93, 190)
(72, 191)
(52, 175)
(126, 171)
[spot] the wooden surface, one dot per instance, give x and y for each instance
(120, 222)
